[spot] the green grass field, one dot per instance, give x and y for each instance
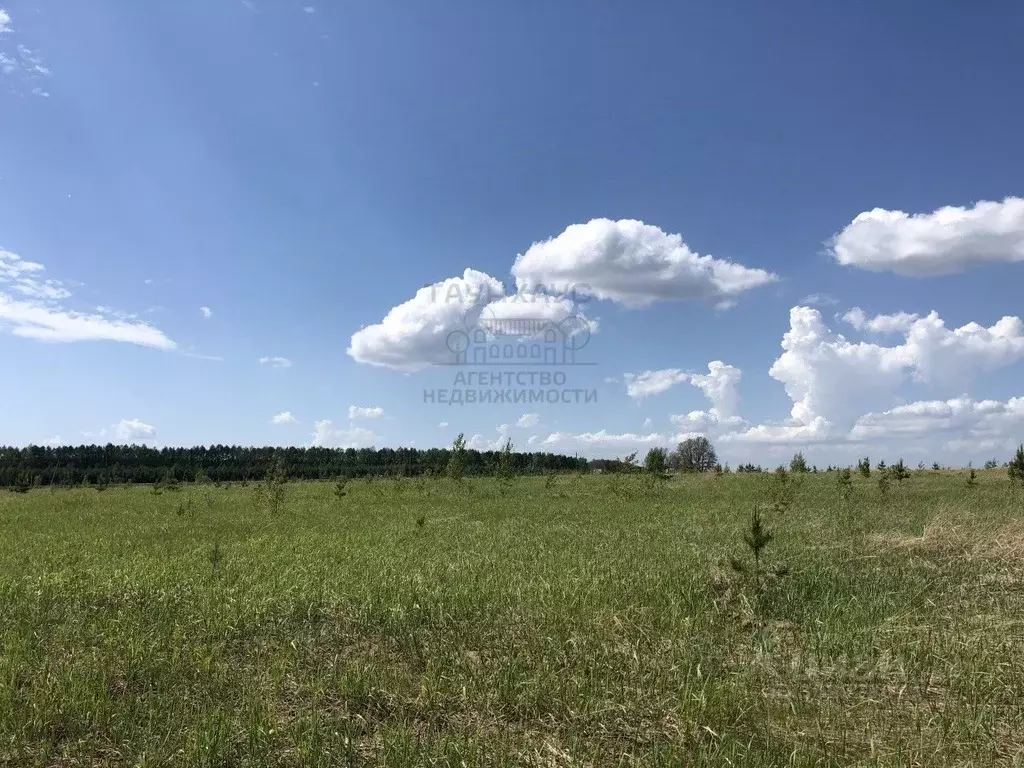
(580, 621)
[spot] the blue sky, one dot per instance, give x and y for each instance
(301, 168)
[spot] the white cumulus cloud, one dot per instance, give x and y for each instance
(505, 316)
(425, 330)
(528, 420)
(284, 417)
(817, 431)
(326, 435)
(415, 334)
(647, 383)
(945, 241)
(134, 431)
(834, 382)
(480, 443)
(601, 441)
(632, 263)
(360, 413)
(894, 323)
(206, 312)
(959, 423)
(719, 384)
(830, 378)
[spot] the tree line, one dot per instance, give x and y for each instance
(102, 464)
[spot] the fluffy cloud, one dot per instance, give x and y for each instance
(480, 443)
(958, 425)
(719, 384)
(284, 417)
(32, 308)
(528, 420)
(415, 334)
(356, 413)
(134, 431)
(443, 425)
(504, 316)
(602, 442)
(705, 422)
(896, 323)
(325, 435)
(607, 444)
(632, 263)
(419, 333)
(5, 21)
(942, 356)
(833, 382)
(962, 417)
(647, 383)
(206, 312)
(945, 241)
(817, 431)
(276, 362)
(831, 378)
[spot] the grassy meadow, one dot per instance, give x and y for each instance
(570, 621)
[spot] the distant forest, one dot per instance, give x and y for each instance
(101, 464)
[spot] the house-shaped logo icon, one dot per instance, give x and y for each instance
(491, 340)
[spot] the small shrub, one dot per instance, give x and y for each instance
(216, 557)
(844, 480)
(506, 468)
(798, 463)
(274, 486)
(1015, 469)
(756, 538)
(781, 490)
(457, 458)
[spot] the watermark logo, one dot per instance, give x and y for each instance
(491, 339)
(514, 350)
